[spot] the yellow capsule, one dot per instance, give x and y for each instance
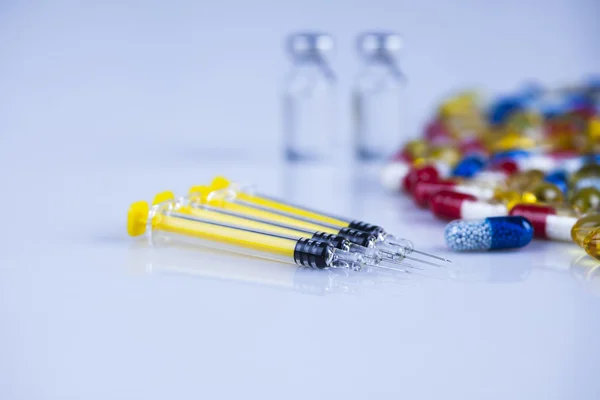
(513, 141)
(447, 154)
(586, 200)
(583, 227)
(588, 145)
(593, 129)
(544, 192)
(456, 105)
(522, 181)
(474, 97)
(591, 244)
(416, 148)
(510, 198)
(585, 173)
(523, 122)
(420, 162)
(558, 141)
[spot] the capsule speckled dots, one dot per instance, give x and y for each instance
(492, 233)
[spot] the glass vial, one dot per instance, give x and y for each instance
(309, 98)
(378, 97)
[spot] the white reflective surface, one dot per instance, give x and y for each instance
(87, 312)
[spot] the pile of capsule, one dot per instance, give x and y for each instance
(522, 166)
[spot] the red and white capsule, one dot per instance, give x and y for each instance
(423, 191)
(447, 204)
(400, 175)
(393, 174)
(548, 223)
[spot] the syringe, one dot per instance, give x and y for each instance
(305, 252)
(398, 247)
(187, 205)
(356, 241)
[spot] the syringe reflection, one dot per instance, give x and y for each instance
(168, 253)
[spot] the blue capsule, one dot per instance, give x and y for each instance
(469, 166)
(492, 233)
(509, 155)
(500, 111)
(558, 178)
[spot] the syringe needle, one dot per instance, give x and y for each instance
(424, 262)
(432, 256)
(405, 257)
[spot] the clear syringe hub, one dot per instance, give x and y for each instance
(391, 251)
(405, 244)
(370, 255)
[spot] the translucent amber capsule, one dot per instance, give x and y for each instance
(510, 198)
(591, 244)
(586, 200)
(527, 123)
(544, 192)
(583, 227)
(457, 105)
(521, 181)
(558, 141)
(465, 126)
(513, 141)
(447, 154)
(586, 176)
(416, 149)
(593, 129)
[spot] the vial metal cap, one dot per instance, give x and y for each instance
(309, 44)
(374, 44)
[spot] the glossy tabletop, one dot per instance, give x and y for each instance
(87, 312)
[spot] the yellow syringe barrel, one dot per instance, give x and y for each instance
(220, 183)
(200, 194)
(216, 216)
(281, 249)
(254, 241)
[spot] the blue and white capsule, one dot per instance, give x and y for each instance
(494, 233)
